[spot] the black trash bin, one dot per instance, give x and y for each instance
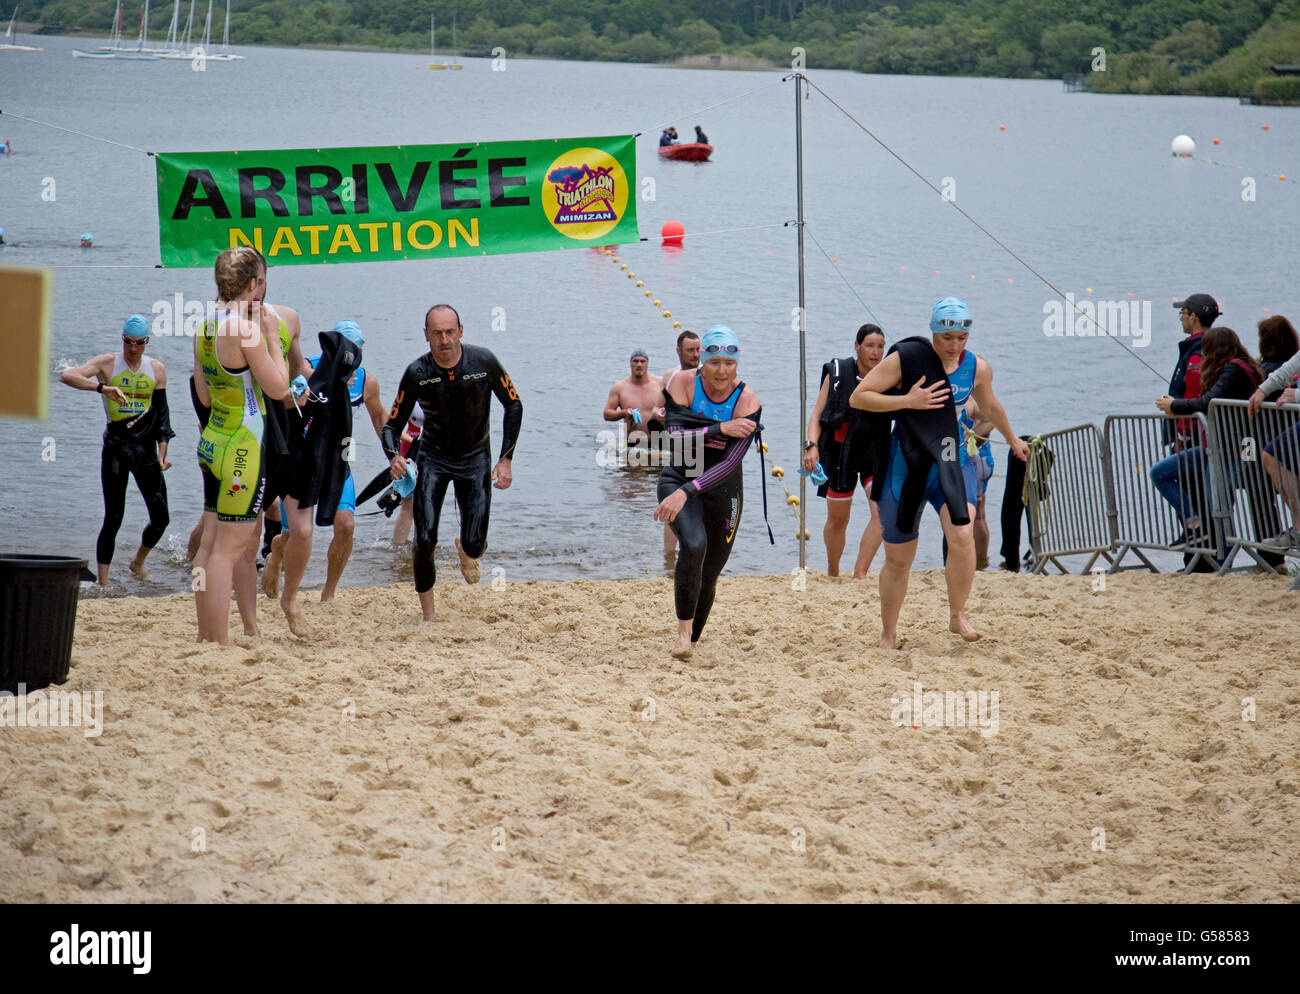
(38, 612)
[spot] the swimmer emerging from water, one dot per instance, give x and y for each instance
(636, 401)
(928, 460)
(709, 405)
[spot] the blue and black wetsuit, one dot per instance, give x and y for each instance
(706, 526)
(454, 447)
(961, 380)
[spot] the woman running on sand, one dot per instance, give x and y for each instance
(709, 414)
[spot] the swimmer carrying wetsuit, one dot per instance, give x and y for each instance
(702, 504)
(453, 385)
(921, 383)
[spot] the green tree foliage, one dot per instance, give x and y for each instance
(1152, 46)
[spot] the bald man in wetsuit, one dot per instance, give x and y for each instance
(453, 384)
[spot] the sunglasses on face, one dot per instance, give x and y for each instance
(715, 350)
(954, 323)
(135, 341)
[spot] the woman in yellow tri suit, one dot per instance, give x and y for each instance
(234, 363)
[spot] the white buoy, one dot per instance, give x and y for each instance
(1182, 146)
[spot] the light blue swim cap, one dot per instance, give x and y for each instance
(2, 232)
(87, 237)
(350, 330)
(719, 342)
(136, 326)
(953, 310)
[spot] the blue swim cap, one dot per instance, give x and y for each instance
(719, 342)
(350, 330)
(953, 310)
(2, 232)
(136, 326)
(87, 237)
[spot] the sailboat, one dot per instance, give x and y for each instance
(433, 46)
(184, 53)
(226, 55)
(115, 49)
(9, 45)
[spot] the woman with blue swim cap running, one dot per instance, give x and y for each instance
(928, 461)
(711, 413)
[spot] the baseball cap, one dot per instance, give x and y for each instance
(1202, 305)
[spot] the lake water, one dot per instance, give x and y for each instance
(1082, 187)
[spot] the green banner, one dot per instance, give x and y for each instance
(328, 205)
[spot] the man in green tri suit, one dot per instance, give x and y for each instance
(134, 387)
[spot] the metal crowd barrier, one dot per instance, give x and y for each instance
(1063, 480)
(1141, 518)
(1238, 443)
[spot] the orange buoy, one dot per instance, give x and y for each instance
(672, 232)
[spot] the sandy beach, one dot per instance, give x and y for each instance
(540, 745)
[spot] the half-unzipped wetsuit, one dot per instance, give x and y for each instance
(131, 437)
(454, 447)
(706, 525)
(928, 460)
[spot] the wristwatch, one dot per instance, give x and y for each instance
(809, 445)
(99, 388)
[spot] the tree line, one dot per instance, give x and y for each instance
(1212, 47)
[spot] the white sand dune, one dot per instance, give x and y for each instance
(541, 745)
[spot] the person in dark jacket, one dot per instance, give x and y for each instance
(1278, 342)
(316, 467)
(1197, 313)
(1229, 372)
(841, 440)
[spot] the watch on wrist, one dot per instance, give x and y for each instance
(809, 445)
(99, 388)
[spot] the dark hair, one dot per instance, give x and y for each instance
(1278, 341)
(868, 329)
(685, 335)
(441, 307)
(1218, 348)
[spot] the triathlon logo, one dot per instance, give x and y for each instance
(585, 193)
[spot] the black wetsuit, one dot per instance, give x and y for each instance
(131, 449)
(706, 525)
(454, 445)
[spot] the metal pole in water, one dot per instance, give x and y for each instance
(803, 377)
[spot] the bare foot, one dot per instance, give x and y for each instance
(297, 620)
(888, 642)
(958, 625)
(251, 629)
(137, 567)
(468, 567)
(327, 597)
(683, 648)
(271, 569)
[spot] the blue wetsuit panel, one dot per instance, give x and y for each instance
(724, 411)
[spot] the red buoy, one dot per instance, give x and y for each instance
(672, 232)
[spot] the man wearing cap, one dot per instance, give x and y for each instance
(637, 401)
(1196, 314)
(363, 390)
(134, 387)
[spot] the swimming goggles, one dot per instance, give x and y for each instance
(134, 341)
(713, 350)
(954, 323)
